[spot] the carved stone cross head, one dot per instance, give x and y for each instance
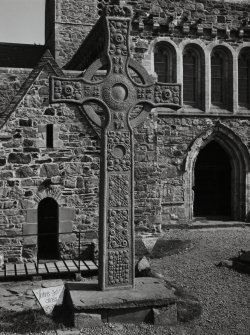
(118, 93)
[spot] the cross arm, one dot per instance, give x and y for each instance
(73, 90)
(160, 95)
(156, 95)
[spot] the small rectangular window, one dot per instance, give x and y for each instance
(49, 136)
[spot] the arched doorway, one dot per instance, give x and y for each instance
(48, 229)
(238, 155)
(212, 183)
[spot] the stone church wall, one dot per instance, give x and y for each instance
(179, 18)
(29, 170)
(69, 172)
(73, 21)
(164, 144)
(11, 80)
(161, 150)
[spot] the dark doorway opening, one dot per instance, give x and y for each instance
(48, 229)
(212, 183)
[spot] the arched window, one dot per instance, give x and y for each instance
(165, 62)
(244, 78)
(221, 78)
(193, 77)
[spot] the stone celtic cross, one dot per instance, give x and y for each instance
(118, 94)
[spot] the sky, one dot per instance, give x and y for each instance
(22, 21)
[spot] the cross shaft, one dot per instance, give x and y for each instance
(118, 94)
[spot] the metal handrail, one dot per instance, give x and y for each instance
(77, 233)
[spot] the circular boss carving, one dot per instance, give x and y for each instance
(119, 151)
(118, 92)
(166, 94)
(118, 38)
(68, 90)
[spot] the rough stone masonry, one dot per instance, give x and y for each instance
(166, 144)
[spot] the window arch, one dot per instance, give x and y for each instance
(221, 78)
(165, 62)
(193, 77)
(244, 78)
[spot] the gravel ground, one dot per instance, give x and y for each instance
(224, 293)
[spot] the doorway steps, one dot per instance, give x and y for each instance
(200, 223)
(206, 223)
(48, 269)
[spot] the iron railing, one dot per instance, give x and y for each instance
(60, 257)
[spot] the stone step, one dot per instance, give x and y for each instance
(203, 223)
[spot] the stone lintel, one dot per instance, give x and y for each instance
(148, 292)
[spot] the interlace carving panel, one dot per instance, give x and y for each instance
(118, 233)
(119, 190)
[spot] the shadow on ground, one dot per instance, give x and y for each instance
(240, 263)
(164, 247)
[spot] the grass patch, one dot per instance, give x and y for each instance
(33, 321)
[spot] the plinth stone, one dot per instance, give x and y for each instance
(134, 305)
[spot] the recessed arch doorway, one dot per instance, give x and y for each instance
(48, 225)
(234, 158)
(212, 182)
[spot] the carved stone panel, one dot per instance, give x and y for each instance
(167, 94)
(118, 267)
(118, 229)
(119, 190)
(119, 151)
(68, 90)
(118, 37)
